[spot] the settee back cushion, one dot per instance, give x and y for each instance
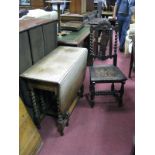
(50, 37)
(37, 43)
(25, 60)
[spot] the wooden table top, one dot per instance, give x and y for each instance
(75, 37)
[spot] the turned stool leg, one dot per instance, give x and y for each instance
(60, 124)
(81, 90)
(35, 108)
(121, 95)
(42, 101)
(92, 93)
(60, 119)
(112, 87)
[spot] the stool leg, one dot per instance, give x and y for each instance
(92, 93)
(112, 87)
(60, 124)
(67, 123)
(81, 91)
(42, 101)
(60, 120)
(35, 108)
(121, 95)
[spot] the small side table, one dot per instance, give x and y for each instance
(75, 38)
(58, 3)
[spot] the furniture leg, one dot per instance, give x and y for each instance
(66, 119)
(81, 91)
(61, 120)
(59, 117)
(67, 123)
(42, 101)
(121, 95)
(92, 93)
(35, 108)
(112, 87)
(60, 124)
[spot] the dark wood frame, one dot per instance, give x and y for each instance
(95, 32)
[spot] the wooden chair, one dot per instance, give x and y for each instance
(101, 42)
